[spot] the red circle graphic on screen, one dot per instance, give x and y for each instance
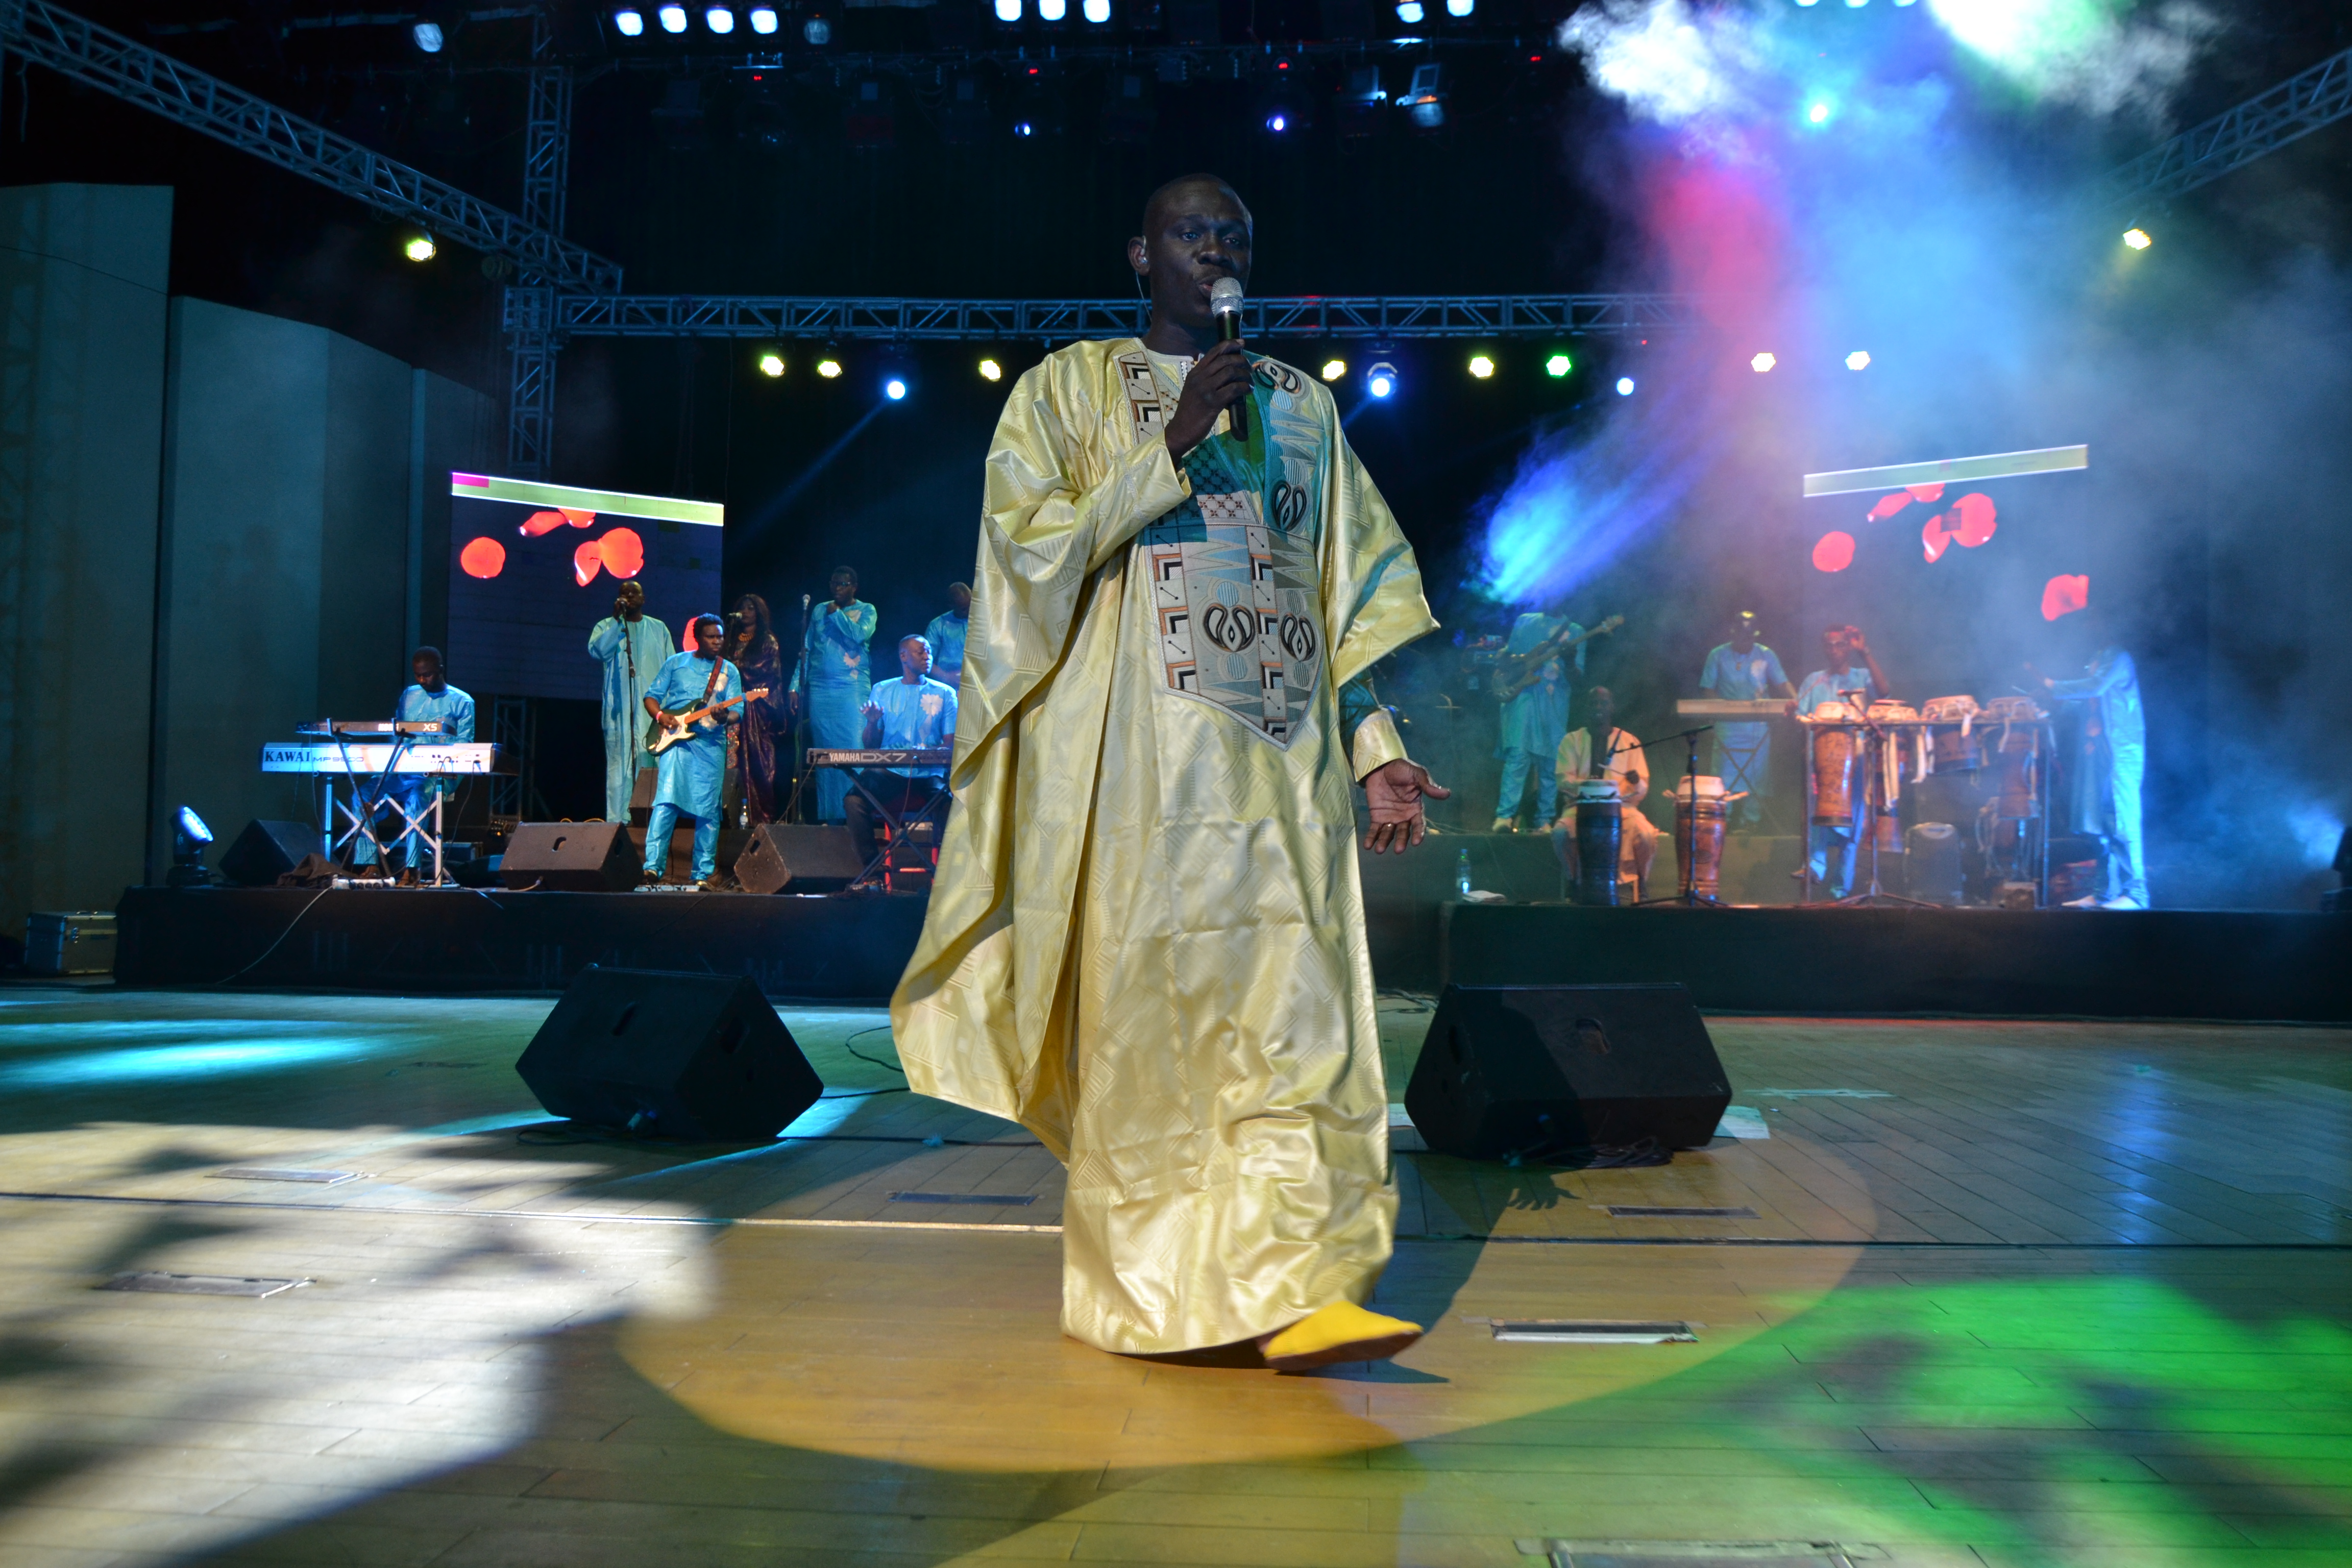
(483, 557)
(586, 562)
(1835, 552)
(1935, 540)
(2063, 595)
(577, 518)
(1972, 520)
(624, 553)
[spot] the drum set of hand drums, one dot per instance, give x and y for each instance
(1701, 814)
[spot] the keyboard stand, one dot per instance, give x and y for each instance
(938, 803)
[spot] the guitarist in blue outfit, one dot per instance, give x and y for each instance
(692, 770)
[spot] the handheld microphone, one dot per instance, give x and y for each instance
(1225, 305)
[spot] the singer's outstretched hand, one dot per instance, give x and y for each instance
(1218, 380)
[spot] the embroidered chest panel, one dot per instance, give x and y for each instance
(1236, 591)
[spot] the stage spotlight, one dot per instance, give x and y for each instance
(629, 22)
(1856, 4)
(419, 247)
(189, 836)
(763, 19)
(672, 18)
(1095, 11)
(1381, 380)
(1053, 10)
(2137, 238)
(1625, 386)
(1858, 360)
(991, 370)
(1460, 8)
(1333, 369)
(1008, 10)
(1558, 365)
(719, 19)
(1762, 362)
(1277, 122)
(772, 366)
(1481, 367)
(1410, 13)
(816, 32)
(828, 367)
(1809, 2)
(1818, 112)
(894, 389)
(428, 36)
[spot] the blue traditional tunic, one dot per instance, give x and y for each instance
(630, 663)
(1743, 752)
(692, 771)
(838, 681)
(946, 633)
(1535, 720)
(455, 710)
(2114, 759)
(923, 714)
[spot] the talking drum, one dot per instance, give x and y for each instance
(1833, 749)
(1599, 827)
(1699, 821)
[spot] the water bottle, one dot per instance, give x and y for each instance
(1461, 872)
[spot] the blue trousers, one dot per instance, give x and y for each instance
(410, 790)
(662, 824)
(1516, 763)
(2127, 855)
(1825, 842)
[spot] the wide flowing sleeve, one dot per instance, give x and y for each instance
(1054, 507)
(1373, 600)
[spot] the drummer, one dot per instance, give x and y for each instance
(1852, 677)
(1622, 758)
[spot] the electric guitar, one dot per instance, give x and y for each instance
(1517, 672)
(660, 738)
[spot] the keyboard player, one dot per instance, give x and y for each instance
(911, 711)
(1743, 670)
(431, 698)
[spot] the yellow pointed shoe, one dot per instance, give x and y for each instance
(1340, 1332)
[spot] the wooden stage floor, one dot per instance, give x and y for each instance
(2012, 1294)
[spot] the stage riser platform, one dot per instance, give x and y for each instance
(2084, 963)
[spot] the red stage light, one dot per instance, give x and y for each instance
(483, 557)
(1972, 519)
(1834, 552)
(624, 553)
(586, 562)
(1934, 492)
(1889, 505)
(1935, 539)
(2063, 595)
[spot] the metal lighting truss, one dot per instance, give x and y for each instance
(88, 53)
(531, 335)
(982, 321)
(2263, 123)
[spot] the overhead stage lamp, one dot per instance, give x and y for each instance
(816, 32)
(1008, 10)
(1625, 386)
(1460, 8)
(2137, 238)
(189, 836)
(429, 36)
(763, 19)
(1481, 367)
(1277, 120)
(629, 22)
(1762, 362)
(991, 370)
(1858, 360)
(1558, 365)
(1381, 379)
(1098, 12)
(672, 18)
(1818, 112)
(1809, 2)
(1410, 13)
(895, 390)
(419, 247)
(719, 20)
(1053, 10)
(1333, 369)
(771, 364)
(828, 367)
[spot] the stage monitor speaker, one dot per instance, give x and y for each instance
(701, 1056)
(265, 851)
(569, 857)
(1558, 1069)
(807, 860)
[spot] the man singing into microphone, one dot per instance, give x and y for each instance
(1146, 942)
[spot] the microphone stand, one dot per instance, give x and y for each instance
(1687, 846)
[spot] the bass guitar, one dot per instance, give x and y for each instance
(1516, 672)
(660, 738)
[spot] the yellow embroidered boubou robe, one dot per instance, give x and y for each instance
(1146, 940)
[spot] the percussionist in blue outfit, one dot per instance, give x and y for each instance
(946, 633)
(911, 711)
(833, 661)
(431, 699)
(1852, 677)
(691, 771)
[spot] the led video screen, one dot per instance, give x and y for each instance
(533, 567)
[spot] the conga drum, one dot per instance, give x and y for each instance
(2019, 757)
(1834, 755)
(1700, 818)
(1600, 830)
